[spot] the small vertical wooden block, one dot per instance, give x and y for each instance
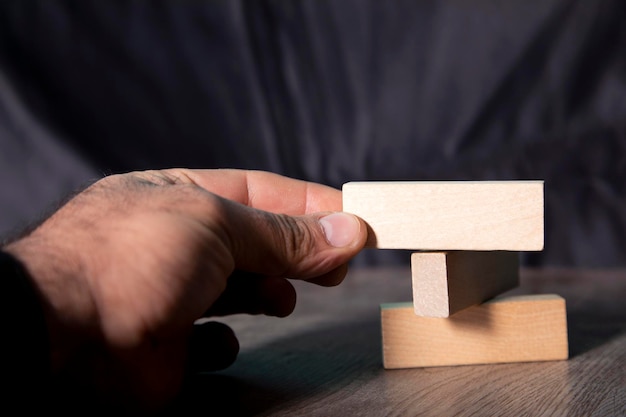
(510, 329)
(447, 282)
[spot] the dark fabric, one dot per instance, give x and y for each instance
(24, 347)
(336, 91)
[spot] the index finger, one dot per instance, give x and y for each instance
(264, 190)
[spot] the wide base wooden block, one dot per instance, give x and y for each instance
(450, 215)
(447, 282)
(513, 329)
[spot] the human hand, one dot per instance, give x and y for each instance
(128, 266)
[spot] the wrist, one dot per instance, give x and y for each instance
(25, 344)
(63, 299)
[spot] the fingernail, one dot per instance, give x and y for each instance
(340, 229)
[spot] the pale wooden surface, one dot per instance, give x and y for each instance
(325, 359)
(447, 282)
(450, 215)
(526, 328)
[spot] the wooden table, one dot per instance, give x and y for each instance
(325, 359)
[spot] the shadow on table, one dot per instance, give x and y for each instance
(592, 328)
(303, 365)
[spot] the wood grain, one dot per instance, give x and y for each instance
(450, 215)
(447, 282)
(511, 329)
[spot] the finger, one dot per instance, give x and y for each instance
(261, 190)
(290, 246)
(213, 347)
(254, 294)
(332, 278)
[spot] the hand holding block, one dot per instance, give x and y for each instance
(513, 329)
(447, 282)
(450, 215)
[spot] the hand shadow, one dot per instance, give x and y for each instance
(303, 365)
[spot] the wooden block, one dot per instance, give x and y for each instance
(450, 215)
(447, 282)
(512, 329)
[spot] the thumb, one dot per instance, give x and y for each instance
(302, 247)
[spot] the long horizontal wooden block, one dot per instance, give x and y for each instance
(513, 329)
(447, 282)
(450, 215)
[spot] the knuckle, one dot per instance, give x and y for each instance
(294, 236)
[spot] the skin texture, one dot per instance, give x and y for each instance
(127, 267)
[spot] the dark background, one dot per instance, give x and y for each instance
(328, 91)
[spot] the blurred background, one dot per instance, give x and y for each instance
(327, 91)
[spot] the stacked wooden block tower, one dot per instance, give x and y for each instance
(466, 237)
